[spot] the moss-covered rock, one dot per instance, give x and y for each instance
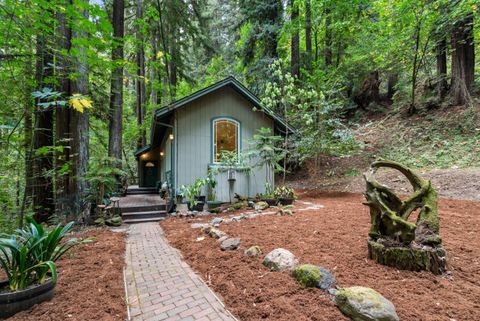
(308, 275)
(260, 206)
(100, 221)
(365, 304)
(253, 251)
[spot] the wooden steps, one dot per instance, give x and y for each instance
(138, 209)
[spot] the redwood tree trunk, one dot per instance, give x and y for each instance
(43, 200)
(116, 95)
(62, 113)
(328, 36)
(295, 47)
(79, 124)
(140, 81)
(463, 60)
(308, 33)
(441, 52)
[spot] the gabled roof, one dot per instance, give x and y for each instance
(238, 87)
(166, 111)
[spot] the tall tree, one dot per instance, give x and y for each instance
(441, 56)
(463, 59)
(62, 113)
(140, 80)
(308, 33)
(116, 90)
(295, 46)
(80, 122)
(43, 199)
(328, 35)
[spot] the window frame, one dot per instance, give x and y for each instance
(239, 135)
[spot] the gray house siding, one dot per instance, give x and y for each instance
(193, 141)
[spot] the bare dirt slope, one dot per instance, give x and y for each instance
(450, 183)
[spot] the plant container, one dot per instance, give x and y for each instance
(286, 200)
(198, 207)
(13, 302)
(213, 204)
(270, 201)
(201, 198)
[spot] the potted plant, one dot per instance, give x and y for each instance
(285, 195)
(269, 196)
(28, 258)
(192, 194)
(211, 181)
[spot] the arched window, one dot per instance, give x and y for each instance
(226, 137)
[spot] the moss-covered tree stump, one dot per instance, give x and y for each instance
(393, 239)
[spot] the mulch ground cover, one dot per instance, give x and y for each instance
(90, 284)
(334, 237)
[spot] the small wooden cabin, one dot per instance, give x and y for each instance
(188, 135)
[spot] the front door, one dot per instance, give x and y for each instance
(150, 173)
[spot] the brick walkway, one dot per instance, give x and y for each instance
(160, 285)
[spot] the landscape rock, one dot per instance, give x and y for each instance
(280, 260)
(260, 206)
(216, 233)
(253, 251)
(230, 244)
(199, 225)
(309, 275)
(365, 304)
(328, 280)
(100, 221)
(216, 221)
(238, 218)
(223, 238)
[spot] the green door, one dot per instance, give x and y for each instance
(150, 173)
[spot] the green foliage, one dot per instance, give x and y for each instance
(28, 256)
(284, 192)
(103, 176)
(190, 192)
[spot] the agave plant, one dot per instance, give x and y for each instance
(28, 256)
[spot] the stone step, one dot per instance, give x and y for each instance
(144, 214)
(143, 220)
(143, 208)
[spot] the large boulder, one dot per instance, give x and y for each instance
(280, 260)
(309, 275)
(365, 304)
(230, 244)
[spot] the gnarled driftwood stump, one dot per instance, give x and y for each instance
(393, 239)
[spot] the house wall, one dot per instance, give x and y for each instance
(193, 141)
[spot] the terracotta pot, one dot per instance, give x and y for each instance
(13, 302)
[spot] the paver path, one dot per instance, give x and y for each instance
(160, 285)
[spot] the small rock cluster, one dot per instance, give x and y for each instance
(358, 303)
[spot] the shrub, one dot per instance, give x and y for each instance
(28, 256)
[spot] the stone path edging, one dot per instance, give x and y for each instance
(161, 286)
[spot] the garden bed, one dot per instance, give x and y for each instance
(334, 237)
(90, 284)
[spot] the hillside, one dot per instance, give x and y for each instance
(442, 144)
